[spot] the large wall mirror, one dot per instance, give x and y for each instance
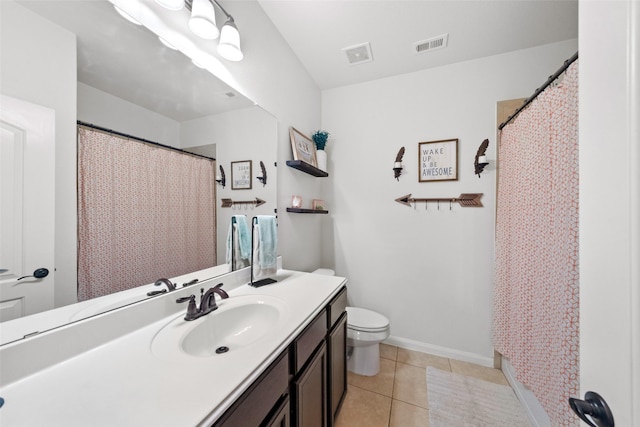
(129, 82)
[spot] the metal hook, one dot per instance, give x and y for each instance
(438, 204)
(450, 201)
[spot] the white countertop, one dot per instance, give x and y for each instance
(122, 383)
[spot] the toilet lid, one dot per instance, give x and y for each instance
(365, 320)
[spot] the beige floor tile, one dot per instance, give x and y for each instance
(364, 408)
(477, 371)
(410, 385)
(388, 351)
(417, 358)
(381, 383)
(405, 415)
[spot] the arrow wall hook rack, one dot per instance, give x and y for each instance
(228, 203)
(471, 200)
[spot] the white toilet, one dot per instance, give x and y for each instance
(366, 329)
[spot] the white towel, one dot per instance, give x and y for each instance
(239, 239)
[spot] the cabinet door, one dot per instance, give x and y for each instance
(311, 392)
(282, 416)
(337, 366)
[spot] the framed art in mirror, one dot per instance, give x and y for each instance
(241, 175)
(303, 147)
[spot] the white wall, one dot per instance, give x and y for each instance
(430, 271)
(108, 111)
(246, 134)
(39, 66)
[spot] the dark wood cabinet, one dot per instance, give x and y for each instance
(337, 367)
(254, 406)
(281, 416)
(306, 384)
(310, 392)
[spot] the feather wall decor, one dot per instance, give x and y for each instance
(263, 178)
(481, 159)
(397, 166)
(223, 179)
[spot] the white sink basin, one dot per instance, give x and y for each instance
(239, 324)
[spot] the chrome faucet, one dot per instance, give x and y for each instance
(207, 302)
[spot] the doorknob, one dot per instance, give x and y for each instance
(40, 273)
(595, 407)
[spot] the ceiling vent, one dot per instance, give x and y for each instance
(358, 54)
(434, 43)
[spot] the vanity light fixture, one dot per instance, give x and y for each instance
(203, 23)
(203, 20)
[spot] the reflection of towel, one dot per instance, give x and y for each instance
(265, 246)
(240, 236)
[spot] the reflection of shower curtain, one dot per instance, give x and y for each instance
(144, 212)
(536, 294)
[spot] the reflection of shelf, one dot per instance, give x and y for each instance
(307, 168)
(307, 211)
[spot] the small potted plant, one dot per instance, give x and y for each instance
(320, 138)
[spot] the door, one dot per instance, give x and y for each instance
(610, 205)
(27, 186)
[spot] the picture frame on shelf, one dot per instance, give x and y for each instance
(304, 149)
(317, 204)
(241, 172)
(296, 202)
(438, 160)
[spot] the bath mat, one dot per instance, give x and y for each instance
(459, 400)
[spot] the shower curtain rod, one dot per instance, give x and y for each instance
(135, 138)
(538, 91)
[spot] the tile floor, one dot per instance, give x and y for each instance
(397, 396)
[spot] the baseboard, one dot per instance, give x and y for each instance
(439, 351)
(534, 410)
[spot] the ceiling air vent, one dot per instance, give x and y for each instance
(431, 44)
(358, 54)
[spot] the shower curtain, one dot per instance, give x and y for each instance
(144, 212)
(536, 307)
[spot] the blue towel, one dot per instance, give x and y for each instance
(267, 241)
(244, 237)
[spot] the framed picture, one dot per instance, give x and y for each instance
(241, 175)
(438, 160)
(296, 201)
(303, 147)
(317, 204)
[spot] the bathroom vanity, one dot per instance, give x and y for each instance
(285, 362)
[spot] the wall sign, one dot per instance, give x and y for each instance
(241, 175)
(438, 160)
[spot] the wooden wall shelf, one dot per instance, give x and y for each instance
(307, 211)
(307, 168)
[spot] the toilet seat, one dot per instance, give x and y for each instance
(361, 319)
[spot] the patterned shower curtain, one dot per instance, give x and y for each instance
(536, 307)
(144, 212)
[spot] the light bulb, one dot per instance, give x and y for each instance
(203, 20)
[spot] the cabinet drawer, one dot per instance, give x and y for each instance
(309, 339)
(337, 306)
(256, 403)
